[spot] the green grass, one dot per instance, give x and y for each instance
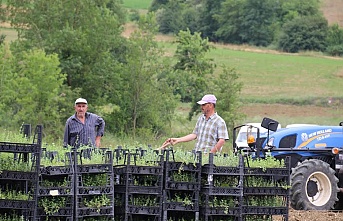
(10, 34)
(137, 4)
(274, 77)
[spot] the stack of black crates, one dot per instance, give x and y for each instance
(136, 185)
(139, 188)
(222, 191)
(56, 192)
(94, 186)
(244, 193)
(182, 185)
(19, 181)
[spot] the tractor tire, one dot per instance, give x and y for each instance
(314, 186)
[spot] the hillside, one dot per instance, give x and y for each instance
(333, 11)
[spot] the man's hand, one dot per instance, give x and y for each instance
(98, 141)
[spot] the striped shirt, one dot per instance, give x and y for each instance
(76, 133)
(209, 132)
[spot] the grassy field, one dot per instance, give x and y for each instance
(137, 4)
(271, 77)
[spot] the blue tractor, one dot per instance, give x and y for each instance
(316, 160)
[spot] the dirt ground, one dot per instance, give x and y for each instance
(296, 215)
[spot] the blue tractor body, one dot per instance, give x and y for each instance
(301, 140)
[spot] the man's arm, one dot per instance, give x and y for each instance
(218, 146)
(100, 131)
(186, 138)
(66, 135)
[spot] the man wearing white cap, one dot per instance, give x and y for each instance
(83, 128)
(210, 130)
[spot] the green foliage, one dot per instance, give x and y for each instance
(335, 41)
(140, 113)
(247, 21)
(94, 179)
(134, 15)
(208, 23)
(14, 162)
(11, 217)
(304, 33)
(82, 33)
(169, 17)
(52, 205)
(227, 89)
(157, 4)
(97, 202)
(192, 67)
(33, 85)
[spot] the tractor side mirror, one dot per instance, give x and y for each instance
(270, 124)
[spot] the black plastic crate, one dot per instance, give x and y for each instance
(132, 189)
(95, 190)
(55, 191)
(259, 210)
(273, 191)
(183, 186)
(222, 191)
(17, 175)
(95, 168)
(220, 211)
(220, 170)
(62, 212)
(180, 206)
(17, 204)
(102, 211)
(57, 170)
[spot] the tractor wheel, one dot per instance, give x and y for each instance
(313, 186)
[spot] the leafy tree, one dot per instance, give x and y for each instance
(335, 40)
(169, 18)
(247, 21)
(229, 18)
(227, 89)
(31, 88)
(208, 24)
(146, 103)
(84, 34)
(192, 66)
(257, 25)
(304, 33)
(157, 4)
(291, 9)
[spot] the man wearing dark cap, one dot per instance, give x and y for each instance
(83, 128)
(210, 130)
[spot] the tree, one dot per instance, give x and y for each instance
(304, 33)
(31, 89)
(146, 103)
(335, 40)
(189, 76)
(247, 21)
(84, 33)
(208, 24)
(227, 89)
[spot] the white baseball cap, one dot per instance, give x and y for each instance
(81, 101)
(208, 98)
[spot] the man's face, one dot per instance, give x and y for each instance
(81, 109)
(206, 108)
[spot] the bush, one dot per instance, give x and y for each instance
(304, 33)
(335, 50)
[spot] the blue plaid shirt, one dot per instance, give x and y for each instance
(76, 133)
(209, 132)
